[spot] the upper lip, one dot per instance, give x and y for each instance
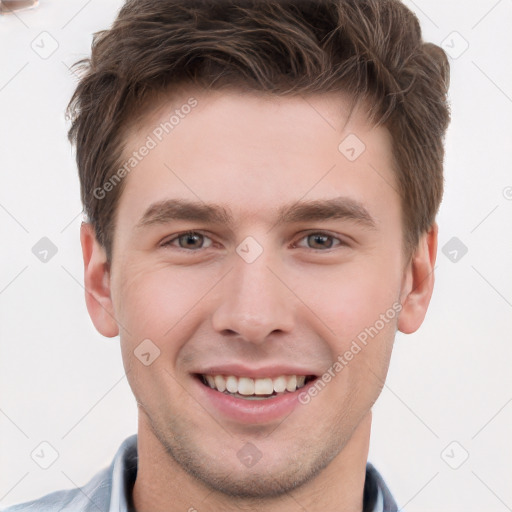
(240, 370)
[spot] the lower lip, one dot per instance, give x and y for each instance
(252, 411)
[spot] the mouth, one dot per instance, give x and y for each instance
(247, 388)
(250, 397)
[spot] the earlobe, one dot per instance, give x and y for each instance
(97, 283)
(418, 283)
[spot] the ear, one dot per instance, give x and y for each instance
(97, 283)
(418, 283)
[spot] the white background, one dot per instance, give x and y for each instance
(61, 382)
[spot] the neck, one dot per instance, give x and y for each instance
(163, 485)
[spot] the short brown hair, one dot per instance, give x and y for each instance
(371, 49)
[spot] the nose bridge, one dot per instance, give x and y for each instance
(253, 302)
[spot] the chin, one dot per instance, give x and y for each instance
(266, 479)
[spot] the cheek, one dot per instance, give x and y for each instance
(160, 303)
(352, 298)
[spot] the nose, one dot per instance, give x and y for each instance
(254, 303)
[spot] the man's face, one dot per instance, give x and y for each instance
(303, 254)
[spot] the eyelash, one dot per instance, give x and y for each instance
(168, 243)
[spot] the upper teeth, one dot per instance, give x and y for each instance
(248, 386)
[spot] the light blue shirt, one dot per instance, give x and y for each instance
(110, 490)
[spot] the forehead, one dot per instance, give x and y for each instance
(254, 153)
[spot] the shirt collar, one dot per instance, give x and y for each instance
(124, 472)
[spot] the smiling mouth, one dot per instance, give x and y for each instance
(255, 389)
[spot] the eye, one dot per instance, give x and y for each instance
(191, 240)
(321, 241)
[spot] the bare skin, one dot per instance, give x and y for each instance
(317, 284)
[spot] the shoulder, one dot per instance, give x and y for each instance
(95, 495)
(111, 483)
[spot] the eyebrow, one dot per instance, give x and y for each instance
(301, 211)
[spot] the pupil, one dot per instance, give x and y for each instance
(321, 241)
(191, 240)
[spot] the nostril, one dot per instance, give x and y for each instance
(229, 332)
